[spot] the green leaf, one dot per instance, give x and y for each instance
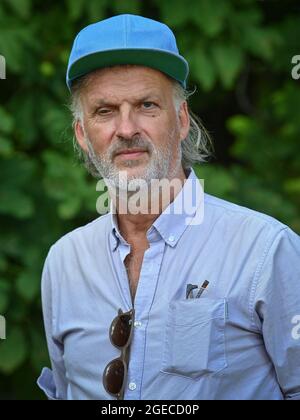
(4, 295)
(14, 42)
(6, 147)
(39, 352)
(76, 8)
(239, 125)
(20, 7)
(66, 183)
(261, 42)
(176, 15)
(13, 350)
(217, 181)
(69, 208)
(19, 312)
(26, 111)
(10, 243)
(96, 9)
(47, 69)
(203, 68)
(229, 62)
(3, 263)
(6, 121)
(16, 203)
(292, 186)
(28, 285)
(15, 174)
(211, 17)
(128, 6)
(55, 122)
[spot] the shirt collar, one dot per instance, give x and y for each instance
(174, 220)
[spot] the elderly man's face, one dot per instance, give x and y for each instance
(130, 123)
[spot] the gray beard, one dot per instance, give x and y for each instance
(158, 167)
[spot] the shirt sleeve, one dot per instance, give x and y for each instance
(277, 309)
(53, 383)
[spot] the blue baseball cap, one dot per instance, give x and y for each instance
(126, 39)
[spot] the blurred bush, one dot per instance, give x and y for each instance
(240, 54)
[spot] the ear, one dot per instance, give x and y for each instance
(184, 120)
(80, 137)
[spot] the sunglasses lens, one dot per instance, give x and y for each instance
(121, 329)
(120, 335)
(114, 376)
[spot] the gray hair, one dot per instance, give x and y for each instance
(196, 148)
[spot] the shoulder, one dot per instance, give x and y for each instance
(82, 239)
(236, 214)
(244, 225)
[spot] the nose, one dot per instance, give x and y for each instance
(127, 124)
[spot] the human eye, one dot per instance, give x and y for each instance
(148, 105)
(103, 111)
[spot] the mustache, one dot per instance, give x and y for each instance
(123, 143)
(130, 144)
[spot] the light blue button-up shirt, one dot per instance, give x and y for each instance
(239, 340)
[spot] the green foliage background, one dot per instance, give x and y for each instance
(240, 55)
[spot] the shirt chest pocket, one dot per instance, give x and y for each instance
(195, 338)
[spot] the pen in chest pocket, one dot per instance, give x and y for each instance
(202, 288)
(191, 287)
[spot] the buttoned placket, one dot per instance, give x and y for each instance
(143, 302)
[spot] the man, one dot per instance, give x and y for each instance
(200, 303)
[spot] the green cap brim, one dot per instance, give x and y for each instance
(173, 65)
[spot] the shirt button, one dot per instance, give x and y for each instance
(137, 324)
(171, 238)
(132, 386)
